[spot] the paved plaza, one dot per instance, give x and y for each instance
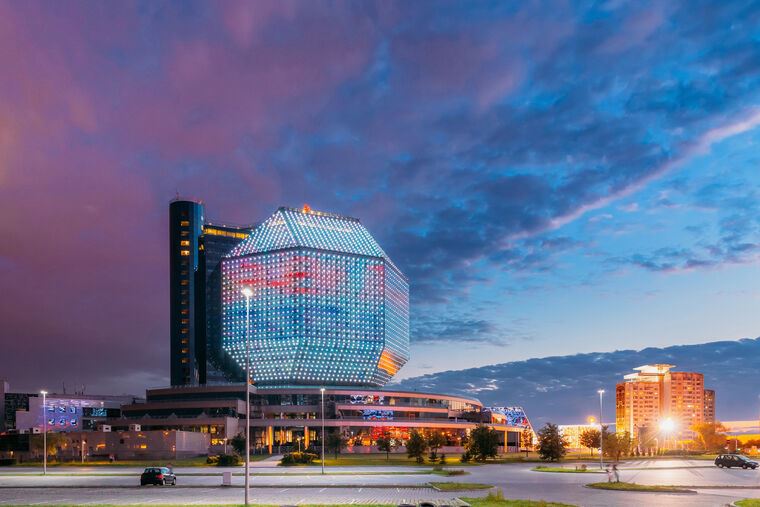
(391, 485)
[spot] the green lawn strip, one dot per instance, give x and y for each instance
(491, 502)
(198, 505)
(459, 486)
(565, 470)
(749, 502)
(632, 486)
(220, 473)
(179, 463)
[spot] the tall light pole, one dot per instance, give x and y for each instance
(322, 391)
(601, 430)
(248, 293)
(44, 432)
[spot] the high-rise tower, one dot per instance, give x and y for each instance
(195, 249)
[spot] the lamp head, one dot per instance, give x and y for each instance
(601, 391)
(43, 393)
(247, 292)
(667, 425)
(322, 390)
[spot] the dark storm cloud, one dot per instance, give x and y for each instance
(562, 389)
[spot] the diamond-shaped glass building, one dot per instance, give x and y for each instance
(328, 307)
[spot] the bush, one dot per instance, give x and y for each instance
(298, 458)
(466, 457)
(228, 460)
(442, 459)
(212, 460)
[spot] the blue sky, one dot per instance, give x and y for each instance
(553, 177)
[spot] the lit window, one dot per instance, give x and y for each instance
(184, 223)
(185, 253)
(185, 242)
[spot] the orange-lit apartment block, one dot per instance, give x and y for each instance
(655, 398)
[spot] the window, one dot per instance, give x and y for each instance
(184, 223)
(185, 253)
(183, 282)
(185, 242)
(184, 360)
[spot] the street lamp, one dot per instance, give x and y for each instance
(248, 293)
(44, 432)
(667, 426)
(322, 392)
(601, 430)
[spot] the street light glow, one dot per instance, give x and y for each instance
(667, 425)
(247, 292)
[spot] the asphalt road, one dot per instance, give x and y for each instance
(82, 485)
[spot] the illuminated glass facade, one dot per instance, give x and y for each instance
(328, 305)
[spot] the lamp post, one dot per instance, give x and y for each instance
(44, 432)
(322, 392)
(248, 293)
(601, 430)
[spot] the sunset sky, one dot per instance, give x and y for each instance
(552, 178)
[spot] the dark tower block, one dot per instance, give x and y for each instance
(185, 229)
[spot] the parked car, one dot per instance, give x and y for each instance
(160, 476)
(735, 460)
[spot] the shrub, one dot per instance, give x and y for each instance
(443, 459)
(212, 460)
(466, 457)
(298, 458)
(228, 460)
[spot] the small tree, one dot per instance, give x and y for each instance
(335, 442)
(526, 440)
(616, 444)
(385, 443)
(54, 441)
(416, 446)
(552, 446)
(711, 436)
(238, 444)
(591, 438)
(483, 442)
(435, 441)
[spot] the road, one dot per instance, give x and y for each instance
(82, 485)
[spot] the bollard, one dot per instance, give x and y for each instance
(227, 479)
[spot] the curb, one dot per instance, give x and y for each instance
(259, 486)
(674, 492)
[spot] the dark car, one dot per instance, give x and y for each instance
(160, 476)
(735, 460)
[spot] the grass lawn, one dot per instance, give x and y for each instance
(198, 505)
(459, 486)
(749, 502)
(632, 486)
(492, 501)
(379, 459)
(566, 470)
(176, 463)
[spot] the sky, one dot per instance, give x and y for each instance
(553, 177)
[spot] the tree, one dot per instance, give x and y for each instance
(435, 440)
(711, 436)
(238, 444)
(54, 441)
(483, 442)
(590, 439)
(385, 443)
(526, 440)
(552, 446)
(335, 442)
(616, 444)
(416, 446)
